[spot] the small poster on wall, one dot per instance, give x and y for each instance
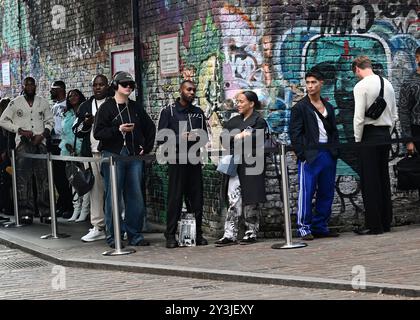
(122, 59)
(168, 55)
(5, 72)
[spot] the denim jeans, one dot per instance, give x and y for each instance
(129, 175)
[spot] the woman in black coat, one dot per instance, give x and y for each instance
(246, 190)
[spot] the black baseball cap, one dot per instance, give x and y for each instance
(58, 84)
(122, 76)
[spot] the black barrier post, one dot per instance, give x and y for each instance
(116, 214)
(287, 223)
(14, 189)
(54, 234)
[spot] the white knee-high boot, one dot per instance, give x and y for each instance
(85, 208)
(77, 208)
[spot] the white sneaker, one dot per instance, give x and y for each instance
(94, 235)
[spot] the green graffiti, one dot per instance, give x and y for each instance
(204, 42)
(14, 37)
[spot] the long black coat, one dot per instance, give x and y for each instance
(252, 186)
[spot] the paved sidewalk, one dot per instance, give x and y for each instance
(390, 261)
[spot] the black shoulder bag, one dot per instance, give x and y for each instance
(81, 179)
(378, 106)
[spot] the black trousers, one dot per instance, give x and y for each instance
(65, 196)
(26, 170)
(374, 178)
(185, 181)
(415, 132)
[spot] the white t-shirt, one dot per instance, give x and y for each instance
(365, 92)
(95, 106)
(323, 137)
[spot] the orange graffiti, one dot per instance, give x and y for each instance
(234, 10)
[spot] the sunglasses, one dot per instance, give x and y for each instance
(132, 85)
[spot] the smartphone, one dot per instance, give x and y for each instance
(130, 125)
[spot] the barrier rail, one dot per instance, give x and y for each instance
(282, 150)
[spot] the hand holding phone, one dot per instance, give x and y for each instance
(127, 127)
(88, 118)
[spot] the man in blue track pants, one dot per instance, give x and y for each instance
(312, 123)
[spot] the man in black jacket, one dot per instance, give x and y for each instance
(83, 129)
(312, 122)
(124, 129)
(185, 178)
(409, 108)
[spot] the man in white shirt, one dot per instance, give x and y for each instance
(374, 171)
(84, 129)
(30, 117)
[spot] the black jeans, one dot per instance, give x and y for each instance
(65, 195)
(185, 180)
(415, 132)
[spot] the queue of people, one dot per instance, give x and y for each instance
(109, 124)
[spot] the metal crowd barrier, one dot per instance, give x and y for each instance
(283, 149)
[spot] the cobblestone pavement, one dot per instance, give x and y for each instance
(23, 276)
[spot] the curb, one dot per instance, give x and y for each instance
(214, 274)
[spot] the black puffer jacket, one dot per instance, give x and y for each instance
(108, 120)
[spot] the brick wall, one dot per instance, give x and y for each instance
(68, 40)
(226, 46)
(266, 46)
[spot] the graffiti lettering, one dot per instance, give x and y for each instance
(82, 48)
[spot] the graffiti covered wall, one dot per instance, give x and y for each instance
(67, 40)
(225, 47)
(267, 46)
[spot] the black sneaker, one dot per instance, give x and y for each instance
(200, 241)
(141, 243)
(308, 237)
(171, 243)
(249, 240)
(225, 242)
(330, 234)
(26, 220)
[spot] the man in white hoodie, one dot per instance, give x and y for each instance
(374, 176)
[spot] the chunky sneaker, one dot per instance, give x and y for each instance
(248, 240)
(225, 242)
(308, 237)
(94, 235)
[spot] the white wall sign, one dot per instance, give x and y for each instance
(168, 55)
(123, 61)
(5, 71)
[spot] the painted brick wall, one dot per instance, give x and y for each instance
(267, 46)
(225, 46)
(68, 40)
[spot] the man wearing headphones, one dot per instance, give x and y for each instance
(83, 129)
(123, 128)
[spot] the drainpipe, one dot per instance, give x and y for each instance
(137, 51)
(20, 41)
